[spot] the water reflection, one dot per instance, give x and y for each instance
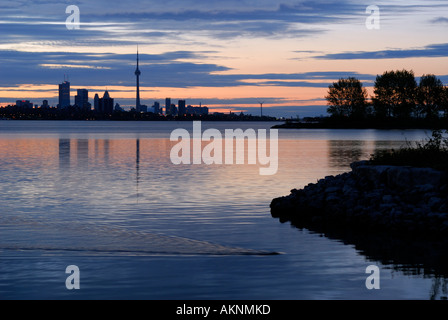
(137, 165)
(70, 190)
(412, 257)
(64, 153)
(343, 152)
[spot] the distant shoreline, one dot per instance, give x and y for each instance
(374, 125)
(144, 120)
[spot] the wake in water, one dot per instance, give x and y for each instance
(21, 234)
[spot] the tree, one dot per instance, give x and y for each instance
(347, 98)
(395, 94)
(444, 104)
(430, 96)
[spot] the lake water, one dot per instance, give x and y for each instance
(105, 196)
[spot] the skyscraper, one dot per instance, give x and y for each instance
(182, 109)
(106, 104)
(156, 107)
(82, 99)
(137, 74)
(168, 106)
(64, 95)
(96, 103)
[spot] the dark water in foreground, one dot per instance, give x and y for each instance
(105, 196)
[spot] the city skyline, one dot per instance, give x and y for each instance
(229, 55)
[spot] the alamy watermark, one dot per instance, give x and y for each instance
(73, 280)
(373, 280)
(373, 21)
(228, 149)
(73, 20)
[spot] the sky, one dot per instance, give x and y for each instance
(229, 55)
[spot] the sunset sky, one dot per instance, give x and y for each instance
(227, 54)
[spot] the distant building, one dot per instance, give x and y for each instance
(106, 104)
(204, 110)
(182, 109)
(143, 108)
(156, 108)
(96, 103)
(45, 104)
(173, 110)
(24, 104)
(168, 106)
(64, 95)
(197, 110)
(82, 99)
(118, 108)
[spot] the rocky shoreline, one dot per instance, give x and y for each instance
(404, 201)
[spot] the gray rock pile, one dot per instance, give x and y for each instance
(402, 200)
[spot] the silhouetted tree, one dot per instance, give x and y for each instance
(395, 94)
(347, 98)
(430, 95)
(444, 105)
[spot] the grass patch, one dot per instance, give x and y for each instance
(431, 153)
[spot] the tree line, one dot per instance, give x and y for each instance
(397, 96)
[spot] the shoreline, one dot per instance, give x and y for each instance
(360, 126)
(407, 202)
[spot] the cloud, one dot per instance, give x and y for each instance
(430, 51)
(180, 69)
(171, 20)
(439, 20)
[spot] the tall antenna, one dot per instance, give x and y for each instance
(261, 107)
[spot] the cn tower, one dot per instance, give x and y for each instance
(137, 74)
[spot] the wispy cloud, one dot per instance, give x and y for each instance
(430, 51)
(170, 69)
(440, 20)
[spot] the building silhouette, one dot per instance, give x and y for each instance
(64, 95)
(24, 104)
(45, 104)
(82, 99)
(156, 107)
(96, 103)
(106, 104)
(137, 74)
(182, 110)
(168, 106)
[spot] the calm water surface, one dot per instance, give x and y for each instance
(105, 196)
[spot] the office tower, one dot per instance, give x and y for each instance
(137, 74)
(45, 104)
(182, 109)
(156, 107)
(106, 104)
(82, 99)
(168, 106)
(96, 103)
(64, 95)
(24, 104)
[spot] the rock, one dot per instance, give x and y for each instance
(434, 203)
(332, 190)
(388, 198)
(395, 198)
(425, 188)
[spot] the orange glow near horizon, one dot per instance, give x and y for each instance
(47, 91)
